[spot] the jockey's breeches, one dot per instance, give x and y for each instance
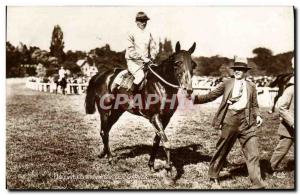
(136, 70)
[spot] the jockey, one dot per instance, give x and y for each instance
(140, 50)
(61, 73)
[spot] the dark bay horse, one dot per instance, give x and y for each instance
(164, 80)
(281, 81)
(62, 83)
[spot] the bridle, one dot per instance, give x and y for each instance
(162, 79)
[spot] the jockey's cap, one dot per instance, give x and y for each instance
(141, 16)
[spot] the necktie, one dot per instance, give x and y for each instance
(240, 93)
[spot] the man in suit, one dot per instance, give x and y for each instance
(286, 128)
(237, 118)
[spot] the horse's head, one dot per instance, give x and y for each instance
(183, 67)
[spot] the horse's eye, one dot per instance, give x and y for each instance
(178, 63)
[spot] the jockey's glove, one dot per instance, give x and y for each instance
(146, 60)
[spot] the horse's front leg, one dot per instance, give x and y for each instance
(156, 121)
(155, 147)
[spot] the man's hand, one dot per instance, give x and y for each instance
(146, 60)
(259, 121)
(189, 96)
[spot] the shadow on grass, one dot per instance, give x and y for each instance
(190, 154)
(241, 169)
(179, 156)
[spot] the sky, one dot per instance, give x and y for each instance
(225, 31)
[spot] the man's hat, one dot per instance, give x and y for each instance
(141, 16)
(240, 63)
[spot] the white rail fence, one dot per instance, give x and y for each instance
(51, 87)
(265, 96)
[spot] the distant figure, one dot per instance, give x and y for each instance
(62, 84)
(62, 73)
(286, 129)
(75, 87)
(141, 49)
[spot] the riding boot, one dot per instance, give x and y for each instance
(133, 89)
(131, 92)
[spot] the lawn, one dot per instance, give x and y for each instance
(52, 144)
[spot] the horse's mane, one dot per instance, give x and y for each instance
(164, 64)
(281, 79)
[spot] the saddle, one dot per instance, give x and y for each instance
(124, 79)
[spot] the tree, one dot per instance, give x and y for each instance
(57, 44)
(263, 58)
(269, 64)
(104, 58)
(165, 50)
(12, 59)
(40, 56)
(212, 66)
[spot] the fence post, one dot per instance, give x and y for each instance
(80, 89)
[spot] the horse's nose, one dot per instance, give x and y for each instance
(189, 91)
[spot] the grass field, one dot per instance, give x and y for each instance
(52, 144)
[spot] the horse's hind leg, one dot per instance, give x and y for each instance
(107, 121)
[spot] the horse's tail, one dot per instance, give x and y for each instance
(90, 97)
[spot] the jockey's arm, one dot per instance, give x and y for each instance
(153, 48)
(131, 52)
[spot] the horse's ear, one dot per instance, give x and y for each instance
(177, 47)
(192, 49)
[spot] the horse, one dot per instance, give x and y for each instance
(281, 81)
(62, 83)
(164, 79)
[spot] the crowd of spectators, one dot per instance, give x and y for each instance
(53, 79)
(210, 81)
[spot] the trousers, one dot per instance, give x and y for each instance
(280, 151)
(235, 127)
(136, 70)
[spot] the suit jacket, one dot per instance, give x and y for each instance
(225, 89)
(286, 112)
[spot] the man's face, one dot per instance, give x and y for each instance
(239, 73)
(142, 24)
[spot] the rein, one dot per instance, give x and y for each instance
(163, 80)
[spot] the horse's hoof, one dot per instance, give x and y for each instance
(102, 154)
(215, 181)
(151, 167)
(110, 159)
(169, 173)
(168, 168)
(113, 155)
